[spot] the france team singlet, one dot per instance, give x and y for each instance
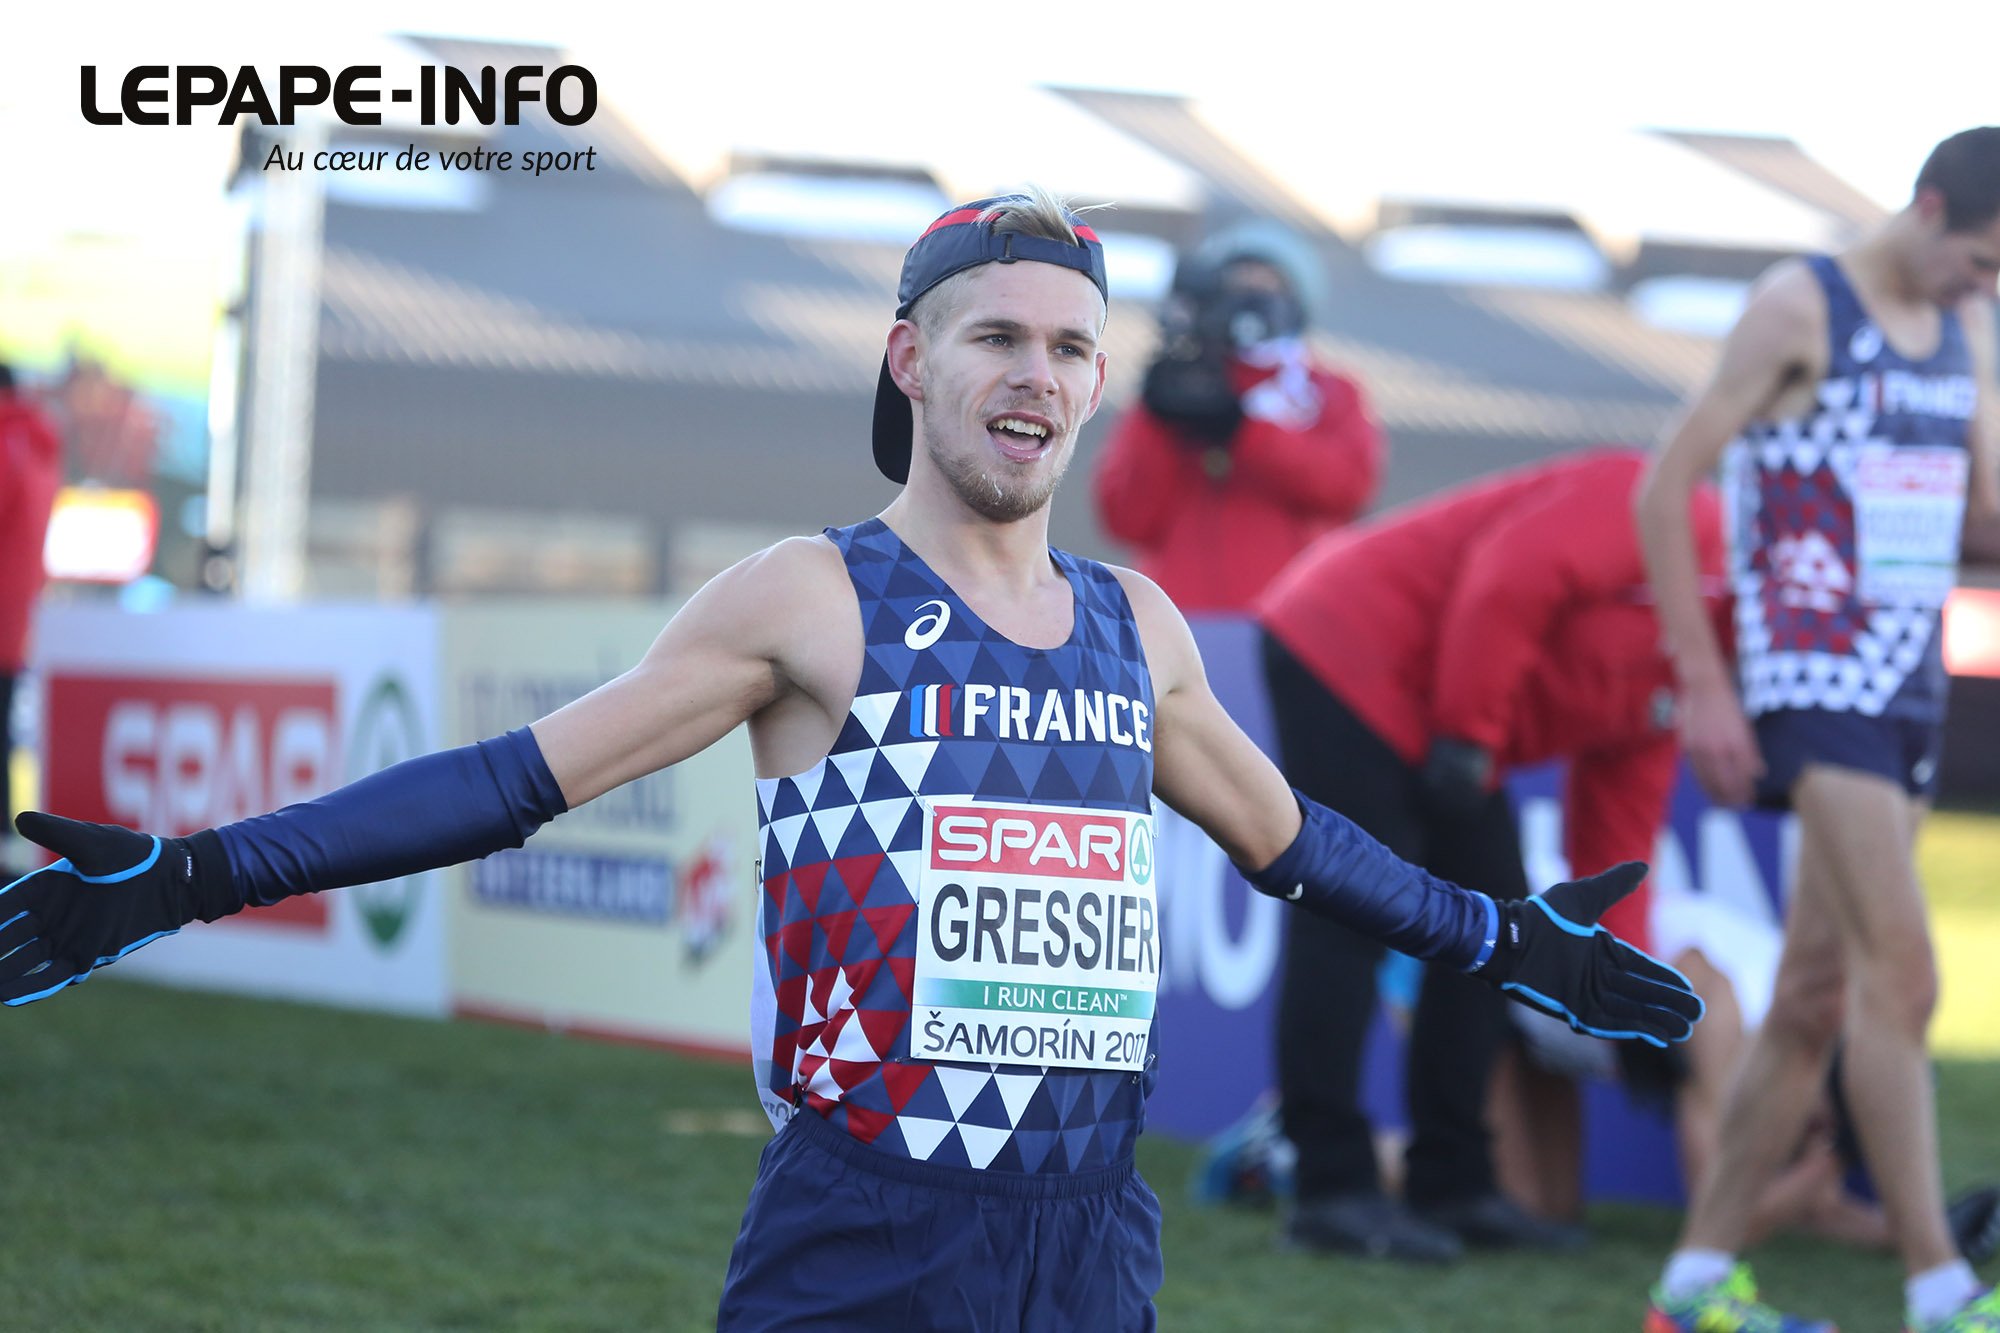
(961, 941)
(1845, 524)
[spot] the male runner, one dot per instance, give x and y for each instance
(959, 734)
(1848, 399)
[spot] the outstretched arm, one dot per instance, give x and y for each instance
(1548, 952)
(726, 655)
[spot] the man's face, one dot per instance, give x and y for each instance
(1008, 377)
(1952, 265)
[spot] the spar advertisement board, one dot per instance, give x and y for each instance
(200, 715)
(630, 917)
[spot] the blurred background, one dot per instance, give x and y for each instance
(1533, 225)
(474, 413)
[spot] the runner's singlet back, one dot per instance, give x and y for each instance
(1845, 524)
(960, 939)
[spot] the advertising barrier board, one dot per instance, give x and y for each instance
(632, 916)
(199, 715)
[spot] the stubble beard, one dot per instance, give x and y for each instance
(985, 492)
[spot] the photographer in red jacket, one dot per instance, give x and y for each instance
(1241, 450)
(1412, 660)
(30, 475)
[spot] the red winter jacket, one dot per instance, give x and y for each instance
(1513, 613)
(1212, 544)
(30, 474)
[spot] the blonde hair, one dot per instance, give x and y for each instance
(1032, 211)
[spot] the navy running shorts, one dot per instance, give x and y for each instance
(1903, 750)
(839, 1235)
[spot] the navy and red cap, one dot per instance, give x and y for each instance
(956, 242)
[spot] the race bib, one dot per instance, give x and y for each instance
(1040, 936)
(1908, 505)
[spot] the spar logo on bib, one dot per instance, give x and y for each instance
(1025, 840)
(1038, 940)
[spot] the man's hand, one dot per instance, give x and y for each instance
(112, 891)
(1552, 954)
(1720, 746)
(1457, 777)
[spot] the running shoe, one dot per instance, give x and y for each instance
(1730, 1306)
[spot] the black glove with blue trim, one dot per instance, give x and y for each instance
(1552, 954)
(112, 891)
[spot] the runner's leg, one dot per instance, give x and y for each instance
(1778, 1082)
(1868, 826)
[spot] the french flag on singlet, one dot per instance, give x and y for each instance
(951, 718)
(1845, 523)
(930, 709)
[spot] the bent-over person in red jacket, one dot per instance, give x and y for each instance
(1412, 660)
(1242, 448)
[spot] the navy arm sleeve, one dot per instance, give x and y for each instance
(435, 810)
(1336, 870)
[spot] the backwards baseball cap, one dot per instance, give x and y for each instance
(955, 242)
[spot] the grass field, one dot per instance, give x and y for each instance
(189, 1162)
(192, 1162)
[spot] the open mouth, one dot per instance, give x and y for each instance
(1021, 438)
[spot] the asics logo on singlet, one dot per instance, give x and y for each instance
(1014, 713)
(1866, 344)
(925, 630)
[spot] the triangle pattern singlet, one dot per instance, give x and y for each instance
(1845, 523)
(841, 843)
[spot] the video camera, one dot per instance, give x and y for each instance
(1220, 323)
(1201, 329)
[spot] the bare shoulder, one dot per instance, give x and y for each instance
(1768, 361)
(793, 570)
(1149, 601)
(741, 647)
(1789, 280)
(799, 557)
(1171, 655)
(1786, 304)
(778, 597)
